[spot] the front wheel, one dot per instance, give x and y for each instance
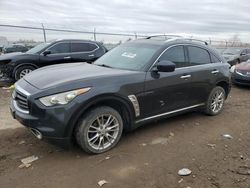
(99, 130)
(22, 71)
(215, 101)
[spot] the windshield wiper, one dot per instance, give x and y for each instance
(104, 65)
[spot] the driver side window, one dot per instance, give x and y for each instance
(176, 55)
(60, 48)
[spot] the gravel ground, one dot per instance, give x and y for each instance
(147, 157)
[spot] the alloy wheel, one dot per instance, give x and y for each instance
(24, 72)
(103, 132)
(217, 101)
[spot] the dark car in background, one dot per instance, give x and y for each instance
(17, 65)
(241, 73)
(134, 83)
(221, 49)
(14, 48)
(236, 55)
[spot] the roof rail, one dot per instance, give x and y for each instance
(192, 39)
(176, 37)
(166, 36)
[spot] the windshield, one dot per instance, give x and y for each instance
(232, 51)
(37, 48)
(129, 57)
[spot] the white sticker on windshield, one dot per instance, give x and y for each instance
(129, 55)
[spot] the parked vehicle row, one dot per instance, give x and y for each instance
(14, 48)
(134, 83)
(236, 55)
(17, 65)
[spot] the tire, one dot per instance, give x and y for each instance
(92, 136)
(22, 71)
(215, 101)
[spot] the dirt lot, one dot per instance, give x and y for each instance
(148, 157)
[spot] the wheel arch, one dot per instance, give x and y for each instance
(122, 105)
(21, 65)
(225, 85)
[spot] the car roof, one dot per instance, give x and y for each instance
(74, 40)
(173, 41)
(176, 41)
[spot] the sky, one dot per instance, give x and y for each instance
(215, 19)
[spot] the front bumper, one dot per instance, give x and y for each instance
(50, 128)
(240, 80)
(6, 72)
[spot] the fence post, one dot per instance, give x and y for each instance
(44, 33)
(94, 34)
(135, 35)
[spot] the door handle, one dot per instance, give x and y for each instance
(91, 55)
(67, 57)
(186, 76)
(215, 71)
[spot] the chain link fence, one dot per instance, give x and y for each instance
(31, 36)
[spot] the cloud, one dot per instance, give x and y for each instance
(207, 17)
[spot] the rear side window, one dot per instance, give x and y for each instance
(92, 47)
(82, 47)
(198, 56)
(60, 48)
(176, 55)
(214, 59)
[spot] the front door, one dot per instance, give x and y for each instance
(59, 53)
(168, 91)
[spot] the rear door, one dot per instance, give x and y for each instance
(60, 53)
(83, 51)
(204, 73)
(168, 91)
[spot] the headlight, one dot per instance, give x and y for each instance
(62, 98)
(232, 69)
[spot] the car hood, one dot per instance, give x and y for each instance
(243, 66)
(9, 55)
(15, 56)
(56, 75)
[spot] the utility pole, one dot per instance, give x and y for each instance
(44, 33)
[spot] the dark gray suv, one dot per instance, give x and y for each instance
(134, 83)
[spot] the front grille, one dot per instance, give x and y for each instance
(21, 100)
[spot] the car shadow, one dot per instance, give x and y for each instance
(241, 87)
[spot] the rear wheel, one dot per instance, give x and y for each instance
(22, 71)
(215, 102)
(99, 130)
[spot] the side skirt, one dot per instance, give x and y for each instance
(169, 113)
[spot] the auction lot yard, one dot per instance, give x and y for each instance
(147, 157)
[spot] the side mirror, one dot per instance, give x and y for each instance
(242, 54)
(165, 66)
(47, 52)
